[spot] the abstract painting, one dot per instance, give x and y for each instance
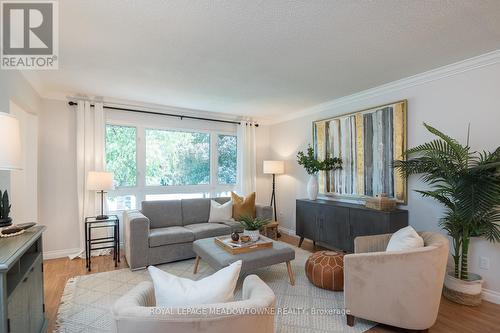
(368, 141)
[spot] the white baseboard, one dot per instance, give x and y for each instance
(59, 253)
(491, 296)
(66, 252)
(287, 231)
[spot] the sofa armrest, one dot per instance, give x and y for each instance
(400, 288)
(136, 239)
(375, 243)
(264, 212)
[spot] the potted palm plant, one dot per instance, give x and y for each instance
(467, 183)
(252, 226)
(313, 166)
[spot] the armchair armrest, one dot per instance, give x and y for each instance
(263, 211)
(136, 239)
(375, 243)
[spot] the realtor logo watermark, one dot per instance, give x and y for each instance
(30, 35)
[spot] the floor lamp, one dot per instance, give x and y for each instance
(274, 168)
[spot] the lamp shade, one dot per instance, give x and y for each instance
(275, 167)
(10, 143)
(99, 181)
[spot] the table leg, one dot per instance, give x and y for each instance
(86, 247)
(116, 246)
(290, 273)
(118, 240)
(196, 263)
(90, 249)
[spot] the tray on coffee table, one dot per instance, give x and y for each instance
(238, 247)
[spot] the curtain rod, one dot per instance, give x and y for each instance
(71, 103)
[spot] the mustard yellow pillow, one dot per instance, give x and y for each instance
(243, 206)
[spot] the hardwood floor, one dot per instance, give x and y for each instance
(452, 317)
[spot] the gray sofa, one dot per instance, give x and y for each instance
(164, 231)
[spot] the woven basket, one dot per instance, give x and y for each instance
(381, 202)
(463, 292)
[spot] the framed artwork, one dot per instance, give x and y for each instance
(368, 141)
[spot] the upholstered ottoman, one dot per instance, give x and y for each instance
(325, 269)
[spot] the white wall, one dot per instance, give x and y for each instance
(449, 104)
(57, 196)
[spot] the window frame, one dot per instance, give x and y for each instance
(141, 190)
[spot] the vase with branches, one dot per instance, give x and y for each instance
(467, 183)
(313, 166)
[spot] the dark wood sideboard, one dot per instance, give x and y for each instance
(334, 224)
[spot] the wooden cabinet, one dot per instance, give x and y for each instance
(21, 292)
(335, 225)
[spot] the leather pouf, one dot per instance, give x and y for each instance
(325, 269)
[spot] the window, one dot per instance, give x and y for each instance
(177, 158)
(226, 151)
(121, 154)
(154, 163)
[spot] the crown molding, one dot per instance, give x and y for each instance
(487, 59)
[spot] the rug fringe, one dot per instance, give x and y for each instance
(65, 302)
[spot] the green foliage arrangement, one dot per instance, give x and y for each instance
(4, 205)
(250, 223)
(466, 182)
(313, 166)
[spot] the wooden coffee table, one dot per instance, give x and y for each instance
(218, 258)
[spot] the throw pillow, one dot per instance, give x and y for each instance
(405, 239)
(243, 206)
(220, 212)
(171, 290)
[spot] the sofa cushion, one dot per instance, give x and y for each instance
(195, 210)
(243, 206)
(163, 213)
(235, 226)
(170, 235)
(206, 230)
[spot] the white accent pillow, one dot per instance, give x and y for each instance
(405, 239)
(171, 290)
(221, 212)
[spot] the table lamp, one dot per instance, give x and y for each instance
(10, 158)
(100, 181)
(274, 168)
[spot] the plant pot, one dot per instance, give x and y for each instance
(312, 187)
(5, 222)
(467, 292)
(253, 234)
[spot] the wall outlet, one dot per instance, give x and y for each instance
(484, 263)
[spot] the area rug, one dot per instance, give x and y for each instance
(87, 300)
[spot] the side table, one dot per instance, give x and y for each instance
(271, 230)
(110, 242)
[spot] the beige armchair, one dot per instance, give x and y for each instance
(136, 312)
(400, 288)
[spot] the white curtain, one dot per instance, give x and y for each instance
(246, 157)
(90, 145)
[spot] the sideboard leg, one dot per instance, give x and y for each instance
(300, 241)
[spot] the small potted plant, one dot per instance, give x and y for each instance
(5, 220)
(467, 184)
(313, 166)
(252, 226)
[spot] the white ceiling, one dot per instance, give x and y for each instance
(258, 58)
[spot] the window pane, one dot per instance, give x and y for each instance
(124, 202)
(226, 148)
(177, 158)
(121, 154)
